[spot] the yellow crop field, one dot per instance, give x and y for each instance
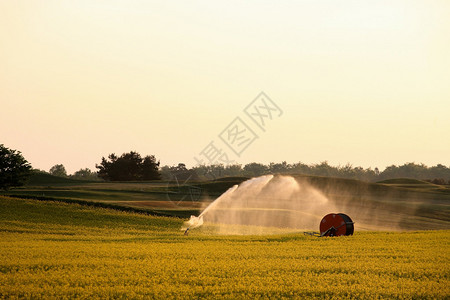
(57, 250)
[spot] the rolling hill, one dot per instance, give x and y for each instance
(410, 204)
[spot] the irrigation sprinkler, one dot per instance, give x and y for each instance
(334, 225)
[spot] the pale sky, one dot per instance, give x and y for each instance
(360, 82)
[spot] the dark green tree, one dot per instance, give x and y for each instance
(58, 170)
(150, 168)
(14, 169)
(128, 167)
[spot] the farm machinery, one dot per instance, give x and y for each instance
(334, 225)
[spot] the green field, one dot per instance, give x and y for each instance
(62, 238)
(60, 250)
(157, 197)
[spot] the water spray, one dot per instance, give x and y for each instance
(270, 202)
(198, 221)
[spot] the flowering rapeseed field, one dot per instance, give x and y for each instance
(57, 250)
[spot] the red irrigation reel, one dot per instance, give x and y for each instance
(334, 225)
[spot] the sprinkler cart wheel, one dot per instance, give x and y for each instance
(336, 225)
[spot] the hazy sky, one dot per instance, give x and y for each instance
(360, 82)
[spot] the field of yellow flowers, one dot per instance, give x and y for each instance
(60, 250)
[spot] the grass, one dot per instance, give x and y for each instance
(404, 181)
(408, 183)
(64, 250)
(152, 196)
(419, 205)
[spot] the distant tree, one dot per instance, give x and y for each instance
(233, 170)
(85, 174)
(211, 172)
(347, 171)
(180, 173)
(439, 171)
(416, 171)
(204, 172)
(128, 167)
(165, 173)
(14, 169)
(255, 169)
(300, 168)
(408, 170)
(324, 169)
(279, 167)
(58, 170)
(376, 171)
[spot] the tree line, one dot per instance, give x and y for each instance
(439, 174)
(127, 167)
(131, 166)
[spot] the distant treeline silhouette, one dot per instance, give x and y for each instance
(438, 174)
(14, 170)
